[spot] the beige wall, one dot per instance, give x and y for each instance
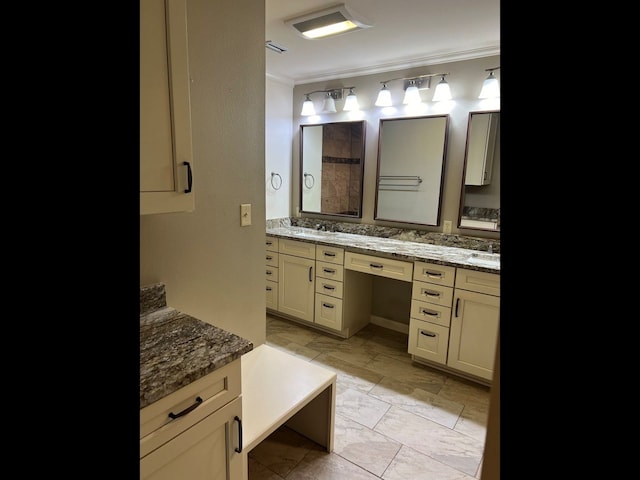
(212, 267)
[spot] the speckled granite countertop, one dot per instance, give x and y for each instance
(394, 248)
(177, 349)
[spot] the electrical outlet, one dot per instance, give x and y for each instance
(447, 226)
(245, 214)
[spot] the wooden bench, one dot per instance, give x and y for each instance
(281, 389)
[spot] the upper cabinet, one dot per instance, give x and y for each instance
(166, 158)
(480, 147)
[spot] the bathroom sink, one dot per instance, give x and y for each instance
(484, 259)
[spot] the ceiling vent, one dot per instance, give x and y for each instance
(275, 47)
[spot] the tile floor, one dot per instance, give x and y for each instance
(395, 419)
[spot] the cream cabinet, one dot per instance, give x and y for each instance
(431, 299)
(272, 272)
(474, 322)
(329, 287)
(166, 158)
(195, 432)
(296, 278)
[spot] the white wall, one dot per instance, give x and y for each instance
(465, 79)
(212, 267)
(278, 128)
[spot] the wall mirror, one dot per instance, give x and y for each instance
(411, 160)
(480, 196)
(332, 167)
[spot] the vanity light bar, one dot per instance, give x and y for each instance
(412, 85)
(331, 95)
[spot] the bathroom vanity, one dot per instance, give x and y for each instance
(324, 279)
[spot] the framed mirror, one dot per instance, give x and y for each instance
(332, 167)
(480, 196)
(411, 161)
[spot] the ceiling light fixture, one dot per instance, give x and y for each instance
(412, 86)
(490, 86)
(329, 104)
(328, 21)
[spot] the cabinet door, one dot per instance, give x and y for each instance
(474, 333)
(165, 116)
(296, 286)
(206, 451)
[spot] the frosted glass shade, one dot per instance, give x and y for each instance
(384, 98)
(307, 108)
(443, 92)
(490, 87)
(412, 96)
(351, 103)
(329, 105)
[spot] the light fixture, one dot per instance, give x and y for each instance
(384, 97)
(328, 21)
(351, 102)
(412, 86)
(443, 92)
(329, 104)
(490, 86)
(307, 107)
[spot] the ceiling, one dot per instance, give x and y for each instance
(406, 34)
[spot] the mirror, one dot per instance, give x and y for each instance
(332, 167)
(480, 197)
(411, 160)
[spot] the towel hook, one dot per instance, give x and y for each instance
(313, 180)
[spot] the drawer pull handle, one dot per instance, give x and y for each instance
(329, 254)
(326, 305)
(173, 416)
(328, 287)
(457, 303)
(311, 274)
(376, 265)
(433, 274)
(269, 257)
(268, 272)
(268, 289)
(429, 293)
(269, 243)
(427, 312)
(237, 419)
(427, 334)
(328, 270)
(189, 177)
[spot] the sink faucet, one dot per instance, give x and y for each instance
(490, 249)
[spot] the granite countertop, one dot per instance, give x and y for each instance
(394, 248)
(177, 349)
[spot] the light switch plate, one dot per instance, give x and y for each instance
(245, 214)
(447, 226)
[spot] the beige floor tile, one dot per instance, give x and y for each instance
(283, 343)
(418, 401)
(318, 465)
(414, 374)
(454, 449)
(257, 471)
(363, 446)
(349, 376)
(281, 451)
(360, 407)
(412, 465)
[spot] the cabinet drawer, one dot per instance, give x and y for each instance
(428, 341)
(431, 312)
(215, 389)
(272, 295)
(272, 259)
(328, 311)
(329, 287)
(272, 274)
(385, 267)
(330, 271)
(297, 248)
(272, 244)
(330, 254)
(475, 281)
(431, 293)
(432, 273)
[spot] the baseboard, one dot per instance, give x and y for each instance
(390, 324)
